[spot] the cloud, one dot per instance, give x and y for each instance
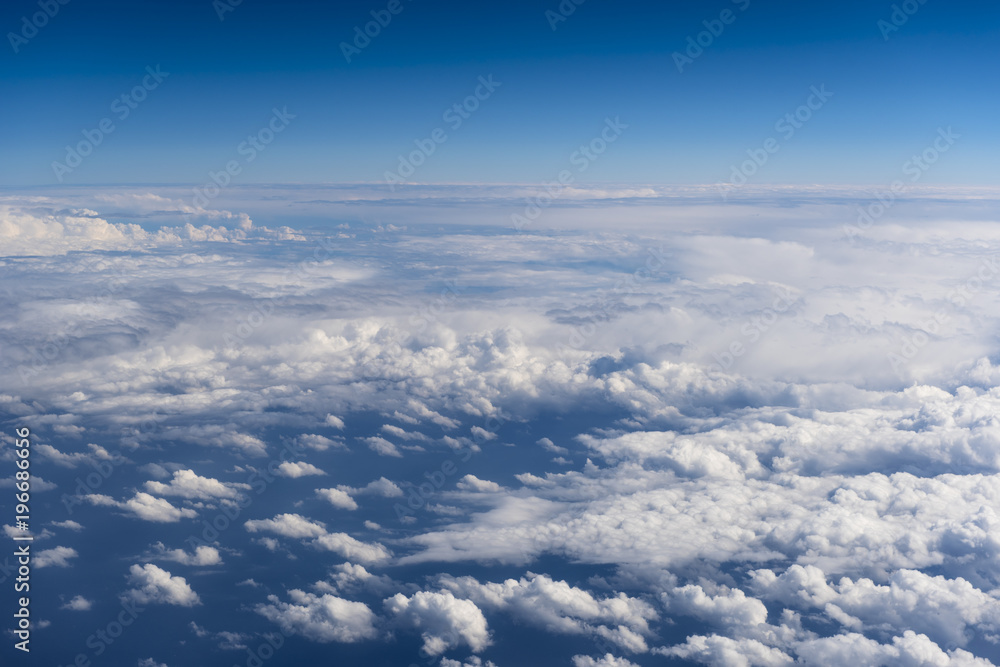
(443, 620)
(320, 443)
(720, 651)
(57, 557)
(946, 610)
(607, 660)
(325, 618)
(287, 525)
(296, 526)
(157, 586)
(338, 498)
(203, 555)
(78, 603)
(909, 649)
(145, 507)
(558, 607)
(473, 483)
(382, 447)
(68, 524)
(188, 484)
(352, 549)
(298, 469)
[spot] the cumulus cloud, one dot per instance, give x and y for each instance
(473, 483)
(443, 620)
(145, 507)
(157, 586)
(203, 555)
(297, 526)
(338, 498)
(352, 549)
(607, 660)
(559, 607)
(188, 484)
(57, 557)
(287, 525)
(325, 618)
(298, 469)
(78, 603)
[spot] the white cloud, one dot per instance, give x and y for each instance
(443, 620)
(558, 607)
(298, 469)
(57, 557)
(203, 555)
(157, 586)
(473, 483)
(188, 484)
(353, 549)
(324, 618)
(719, 651)
(607, 660)
(297, 526)
(287, 525)
(338, 498)
(382, 447)
(78, 603)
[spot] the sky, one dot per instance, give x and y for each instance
(648, 353)
(228, 68)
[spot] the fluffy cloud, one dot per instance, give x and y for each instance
(719, 651)
(145, 507)
(946, 610)
(78, 603)
(287, 525)
(297, 526)
(338, 498)
(324, 618)
(559, 607)
(352, 549)
(57, 557)
(298, 469)
(443, 620)
(188, 484)
(607, 660)
(157, 586)
(203, 555)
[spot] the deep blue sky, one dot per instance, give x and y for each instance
(608, 59)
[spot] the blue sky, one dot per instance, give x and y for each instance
(723, 396)
(557, 87)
